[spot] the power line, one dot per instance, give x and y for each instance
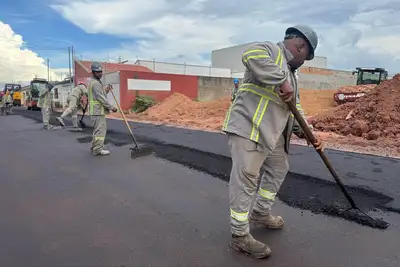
(29, 45)
(6, 68)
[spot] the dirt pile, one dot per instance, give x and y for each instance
(364, 88)
(374, 116)
(315, 102)
(181, 110)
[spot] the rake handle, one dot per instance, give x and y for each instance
(311, 138)
(125, 120)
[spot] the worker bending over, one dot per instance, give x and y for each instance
(73, 103)
(259, 126)
(98, 108)
(6, 104)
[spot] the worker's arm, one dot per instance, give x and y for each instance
(84, 89)
(99, 96)
(257, 59)
(43, 92)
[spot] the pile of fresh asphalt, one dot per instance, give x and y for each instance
(300, 191)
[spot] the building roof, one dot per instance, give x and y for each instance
(113, 67)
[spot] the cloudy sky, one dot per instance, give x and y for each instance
(352, 33)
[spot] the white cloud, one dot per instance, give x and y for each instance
(352, 33)
(17, 63)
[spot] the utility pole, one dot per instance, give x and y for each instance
(69, 68)
(48, 70)
(73, 63)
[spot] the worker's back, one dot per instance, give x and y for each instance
(258, 112)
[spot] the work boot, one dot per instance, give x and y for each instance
(51, 127)
(77, 129)
(270, 221)
(61, 121)
(249, 245)
(103, 152)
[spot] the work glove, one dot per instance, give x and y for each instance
(286, 92)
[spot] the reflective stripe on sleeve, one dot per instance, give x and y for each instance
(255, 54)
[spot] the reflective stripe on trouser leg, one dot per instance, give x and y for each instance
(74, 113)
(247, 159)
(45, 115)
(275, 167)
(99, 133)
(75, 121)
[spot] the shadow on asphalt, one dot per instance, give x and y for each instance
(300, 191)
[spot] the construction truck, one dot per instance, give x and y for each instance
(367, 79)
(15, 92)
(32, 94)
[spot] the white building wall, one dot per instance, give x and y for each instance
(65, 89)
(231, 58)
(317, 62)
(184, 69)
(113, 79)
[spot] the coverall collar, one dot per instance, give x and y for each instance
(97, 79)
(286, 52)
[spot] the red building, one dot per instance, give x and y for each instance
(129, 79)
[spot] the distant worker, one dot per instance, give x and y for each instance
(259, 126)
(74, 101)
(45, 104)
(98, 108)
(235, 88)
(6, 103)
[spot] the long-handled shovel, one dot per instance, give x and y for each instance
(136, 151)
(310, 137)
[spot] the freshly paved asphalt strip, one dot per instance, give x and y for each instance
(373, 180)
(61, 206)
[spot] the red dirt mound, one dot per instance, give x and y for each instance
(374, 116)
(181, 110)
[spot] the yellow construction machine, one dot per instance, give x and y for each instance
(365, 76)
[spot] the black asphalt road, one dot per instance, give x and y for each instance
(61, 206)
(372, 177)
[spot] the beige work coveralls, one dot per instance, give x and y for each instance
(259, 127)
(98, 108)
(3, 108)
(45, 105)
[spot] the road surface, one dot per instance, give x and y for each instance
(61, 206)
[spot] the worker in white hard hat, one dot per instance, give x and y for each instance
(98, 108)
(74, 100)
(259, 126)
